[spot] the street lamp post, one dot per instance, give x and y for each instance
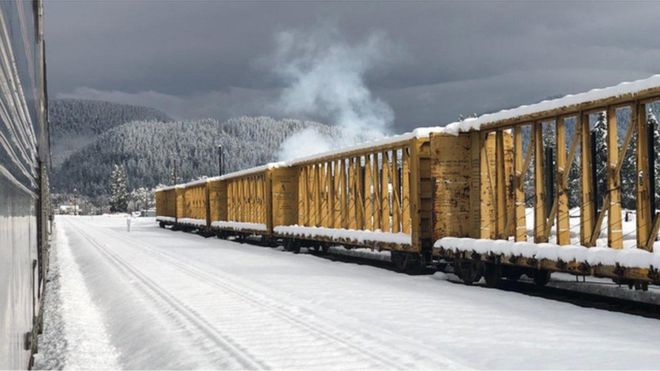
(219, 159)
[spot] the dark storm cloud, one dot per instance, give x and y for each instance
(197, 59)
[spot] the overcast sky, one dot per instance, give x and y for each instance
(431, 61)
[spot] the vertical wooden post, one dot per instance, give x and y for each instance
(587, 210)
(252, 196)
(240, 204)
(518, 185)
(643, 184)
(384, 189)
(540, 215)
(359, 194)
(301, 195)
(500, 186)
(368, 195)
(563, 221)
(377, 173)
(243, 203)
(405, 190)
(351, 194)
(344, 198)
(249, 207)
(329, 199)
(305, 195)
(336, 194)
(255, 184)
(329, 196)
(322, 196)
(249, 199)
(486, 206)
(231, 190)
(396, 204)
(415, 192)
(239, 200)
(614, 223)
(317, 193)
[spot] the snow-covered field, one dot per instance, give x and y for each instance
(153, 298)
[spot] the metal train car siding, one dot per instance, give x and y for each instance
(486, 196)
(24, 158)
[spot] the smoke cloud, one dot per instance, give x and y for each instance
(325, 79)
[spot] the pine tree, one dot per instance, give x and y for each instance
(142, 198)
(629, 166)
(119, 190)
(628, 175)
(600, 161)
(574, 183)
(653, 121)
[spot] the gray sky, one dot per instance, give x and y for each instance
(435, 60)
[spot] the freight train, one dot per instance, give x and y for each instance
(24, 160)
(459, 195)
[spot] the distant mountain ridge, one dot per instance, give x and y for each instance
(76, 123)
(148, 150)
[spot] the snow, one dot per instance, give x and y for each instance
(165, 218)
(629, 258)
(74, 336)
(240, 225)
(240, 173)
(338, 234)
(172, 300)
(199, 222)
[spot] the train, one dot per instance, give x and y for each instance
(457, 196)
(24, 164)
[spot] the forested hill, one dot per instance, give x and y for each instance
(78, 122)
(148, 149)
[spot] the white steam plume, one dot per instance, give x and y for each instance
(325, 79)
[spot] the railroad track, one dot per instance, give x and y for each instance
(182, 312)
(584, 299)
(576, 297)
(365, 351)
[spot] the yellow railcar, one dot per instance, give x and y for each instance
(462, 194)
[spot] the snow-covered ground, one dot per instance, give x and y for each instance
(153, 298)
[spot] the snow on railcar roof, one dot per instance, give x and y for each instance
(167, 188)
(248, 171)
(476, 123)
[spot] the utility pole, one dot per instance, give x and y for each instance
(219, 159)
(174, 174)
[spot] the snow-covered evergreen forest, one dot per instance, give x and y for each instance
(76, 123)
(149, 149)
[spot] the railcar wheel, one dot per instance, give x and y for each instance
(399, 260)
(542, 277)
(407, 262)
(292, 245)
(493, 275)
(468, 270)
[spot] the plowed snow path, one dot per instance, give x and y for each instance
(176, 300)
